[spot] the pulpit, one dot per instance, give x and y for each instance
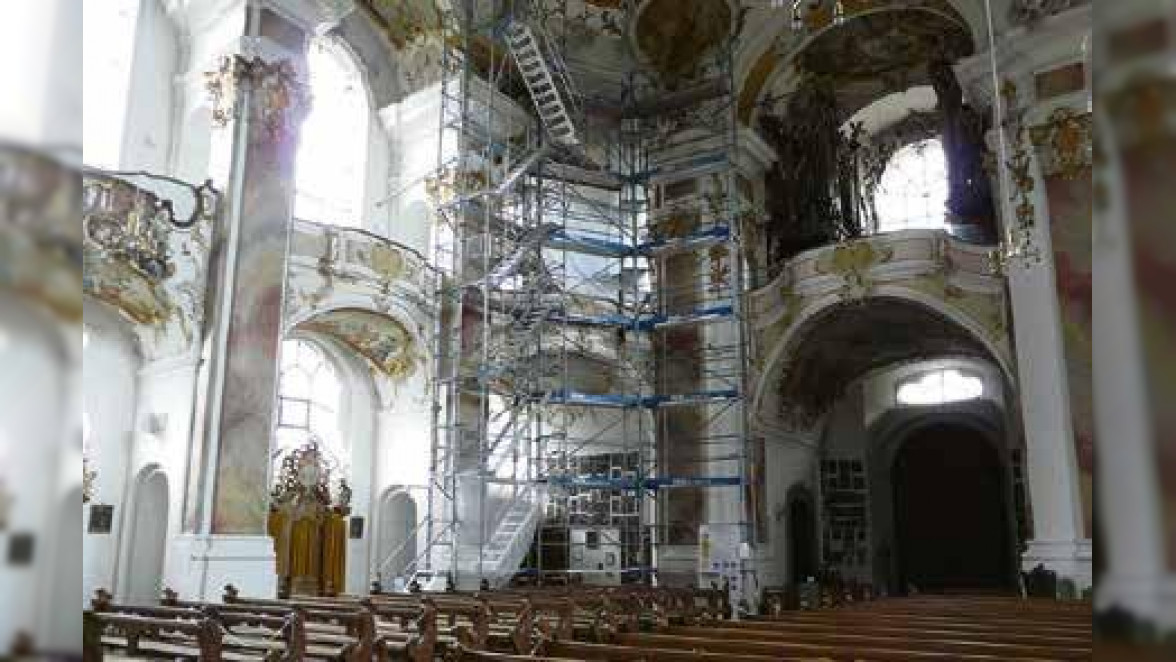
(308, 524)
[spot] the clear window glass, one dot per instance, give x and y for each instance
(939, 387)
(309, 396)
(912, 193)
(332, 149)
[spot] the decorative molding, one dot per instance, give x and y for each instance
(1065, 143)
(283, 99)
(1032, 12)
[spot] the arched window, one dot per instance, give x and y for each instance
(939, 387)
(309, 396)
(912, 193)
(332, 152)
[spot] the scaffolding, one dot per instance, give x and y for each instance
(590, 363)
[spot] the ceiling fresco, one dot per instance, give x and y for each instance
(851, 340)
(383, 341)
(404, 21)
(673, 36)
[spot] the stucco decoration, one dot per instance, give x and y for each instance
(1065, 143)
(674, 36)
(875, 48)
(837, 312)
(1029, 12)
(147, 260)
(333, 268)
(406, 21)
(283, 98)
(381, 340)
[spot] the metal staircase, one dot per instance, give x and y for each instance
(546, 80)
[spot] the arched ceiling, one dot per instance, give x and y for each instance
(845, 343)
(878, 49)
(383, 341)
(673, 36)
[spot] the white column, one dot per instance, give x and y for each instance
(1058, 542)
(1128, 503)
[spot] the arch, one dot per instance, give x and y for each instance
(147, 541)
(768, 69)
(814, 320)
(397, 313)
(951, 517)
(396, 547)
(885, 439)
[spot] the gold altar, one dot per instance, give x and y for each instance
(309, 526)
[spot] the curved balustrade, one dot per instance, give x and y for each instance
(146, 259)
(333, 268)
(930, 268)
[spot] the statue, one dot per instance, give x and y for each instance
(309, 528)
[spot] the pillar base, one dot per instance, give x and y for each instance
(1070, 559)
(206, 563)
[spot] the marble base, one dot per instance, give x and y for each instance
(1070, 559)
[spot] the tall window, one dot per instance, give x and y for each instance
(108, 48)
(939, 387)
(309, 395)
(332, 153)
(912, 193)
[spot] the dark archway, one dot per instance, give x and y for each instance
(802, 538)
(950, 512)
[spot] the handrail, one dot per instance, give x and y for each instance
(205, 196)
(396, 552)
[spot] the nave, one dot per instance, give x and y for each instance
(614, 624)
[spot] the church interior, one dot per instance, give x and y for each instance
(595, 329)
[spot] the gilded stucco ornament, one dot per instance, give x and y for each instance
(1144, 110)
(1065, 141)
(282, 97)
(1018, 244)
(139, 256)
(852, 262)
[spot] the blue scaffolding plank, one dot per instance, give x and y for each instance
(564, 240)
(710, 235)
(708, 314)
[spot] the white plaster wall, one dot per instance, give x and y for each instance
(163, 437)
(147, 133)
(109, 388)
(34, 422)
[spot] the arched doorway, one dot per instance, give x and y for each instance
(397, 547)
(802, 536)
(950, 512)
(148, 538)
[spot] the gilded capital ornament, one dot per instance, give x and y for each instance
(282, 98)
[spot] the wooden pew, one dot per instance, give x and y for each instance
(145, 636)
